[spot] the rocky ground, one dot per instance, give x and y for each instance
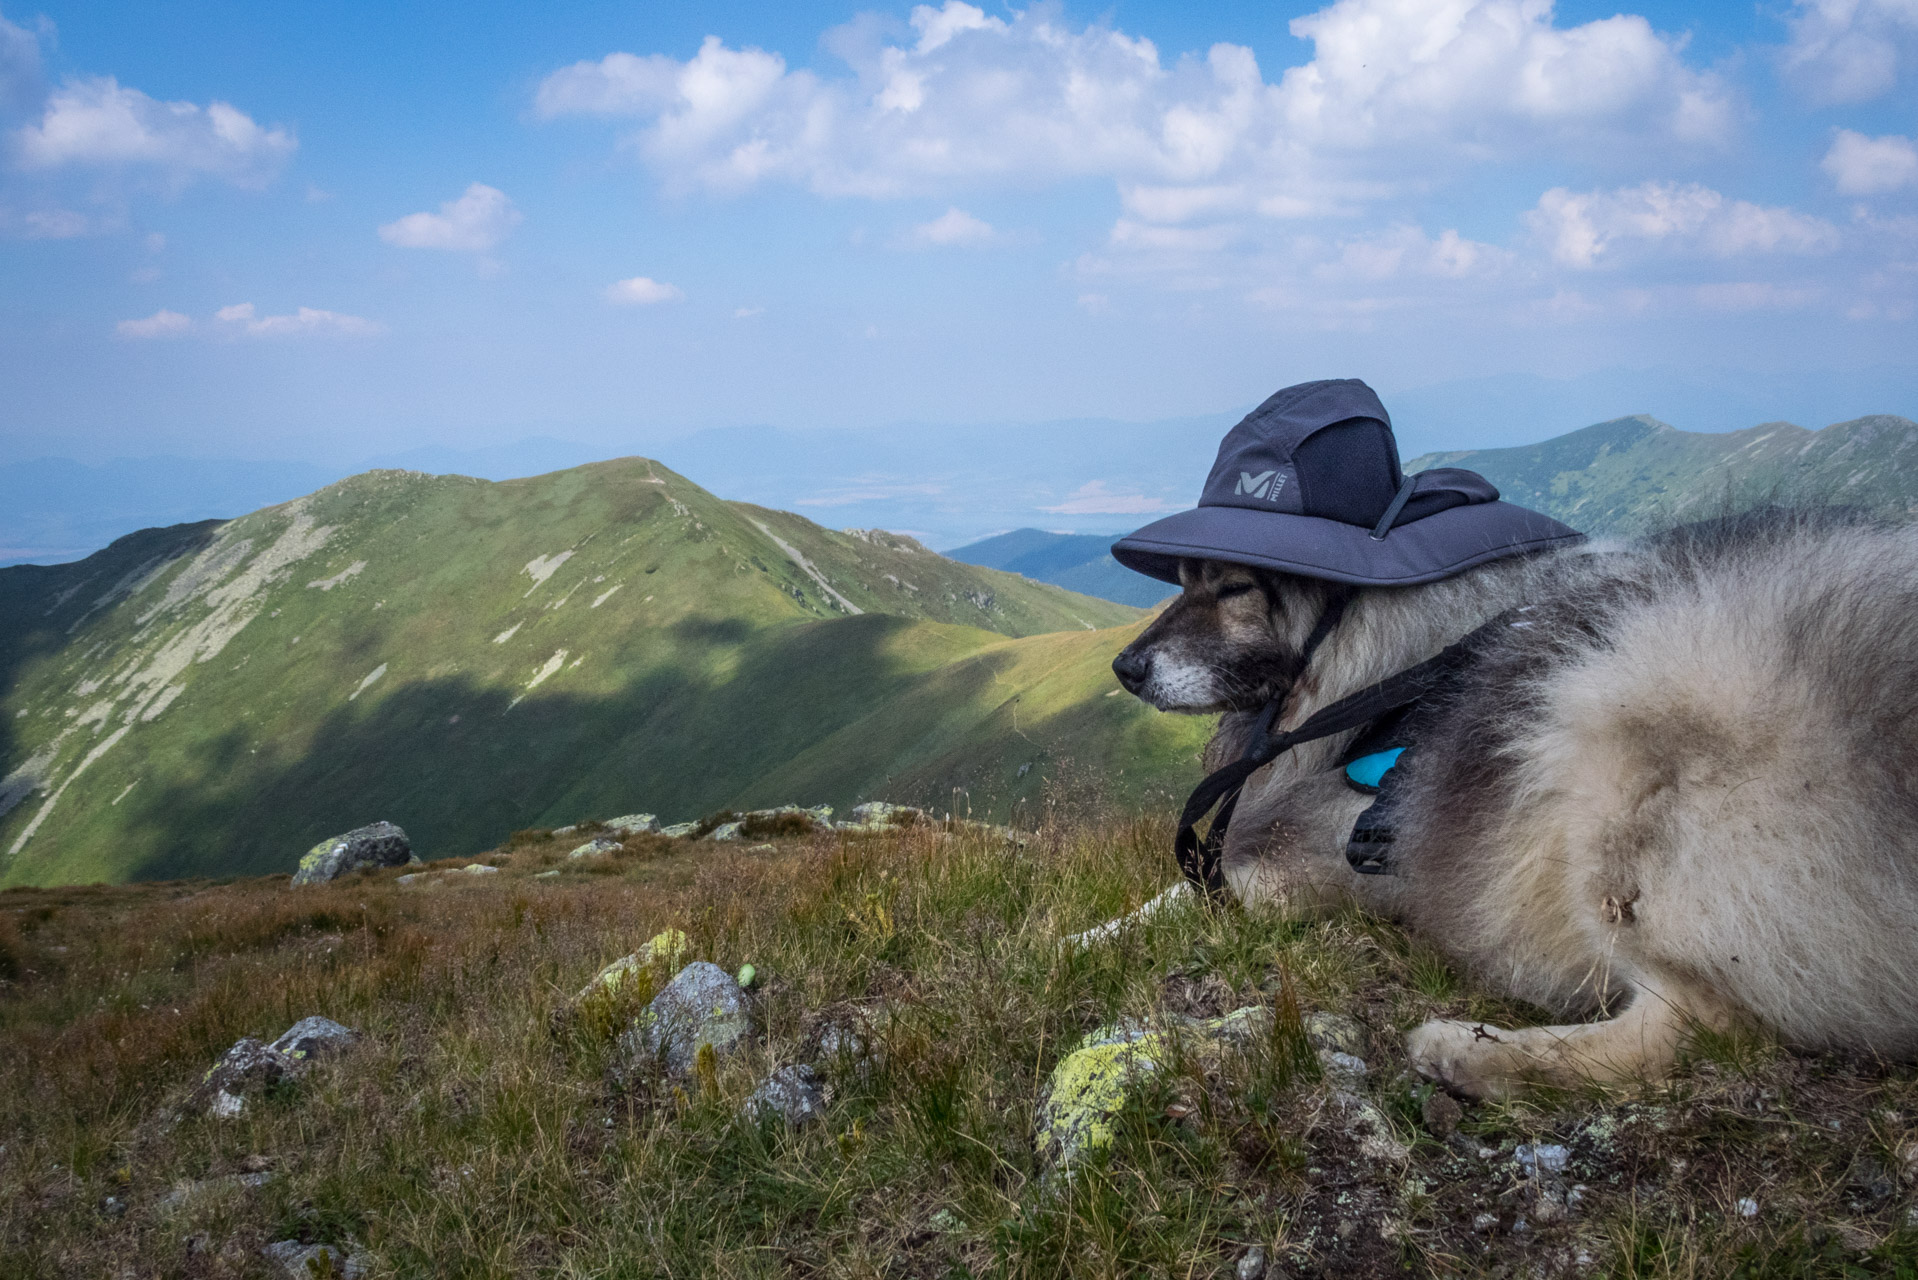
(851, 1048)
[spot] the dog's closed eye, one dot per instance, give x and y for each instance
(1231, 589)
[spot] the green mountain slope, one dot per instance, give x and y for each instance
(1632, 473)
(465, 658)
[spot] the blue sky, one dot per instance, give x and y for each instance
(333, 232)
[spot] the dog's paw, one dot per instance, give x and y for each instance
(1465, 1057)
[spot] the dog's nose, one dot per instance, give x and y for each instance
(1131, 668)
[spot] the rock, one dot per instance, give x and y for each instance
(543, 875)
(113, 1207)
(1090, 1084)
(1747, 1208)
(413, 877)
(701, 1006)
(726, 832)
(1342, 1069)
(379, 845)
(1368, 1125)
(1545, 1157)
(946, 1222)
(843, 1048)
(1485, 1222)
(1252, 1265)
(313, 1038)
(791, 1093)
(479, 869)
(1441, 1114)
(679, 830)
(594, 847)
(664, 950)
(250, 1066)
(877, 815)
(305, 1261)
(763, 848)
(560, 833)
(1335, 1033)
(185, 1193)
(634, 824)
(787, 819)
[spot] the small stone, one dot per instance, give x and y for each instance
(634, 824)
(701, 1006)
(877, 815)
(1747, 1208)
(679, 830)
(946, 1222)
(1548, 1157)
(762, 848)
(1908, 1160)
(226, 1106)
(1548, 1210)
(725, 832)
(412, 876)
(595, 847)
(380, 844)
(312, 1038)
(1441, 1113)
(560, 833)
(544, 875)
(1335, 1033)
(1485, 1222)
(1342, 1069)
(790, 1093)
(479, 869)
(1252, 1265)
(113, 1207)
(1576, 1197)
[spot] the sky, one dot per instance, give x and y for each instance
(332, 232)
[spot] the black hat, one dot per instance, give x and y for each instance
(1309, 483)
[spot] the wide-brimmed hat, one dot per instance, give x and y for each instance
(1309, 483)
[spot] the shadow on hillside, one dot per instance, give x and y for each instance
(39, 604)
(460, 766)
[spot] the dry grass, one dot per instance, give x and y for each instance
(479, 1130)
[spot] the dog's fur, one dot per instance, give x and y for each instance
(1684, 792)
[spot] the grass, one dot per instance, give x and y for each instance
(483, 1128)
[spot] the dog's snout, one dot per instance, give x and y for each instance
(1131, 668)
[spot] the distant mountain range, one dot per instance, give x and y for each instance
(1077, 561)
(465, 658)
(1635, 473)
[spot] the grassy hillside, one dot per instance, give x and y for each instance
(465, 658)
(1632, 473)
(481, 1129)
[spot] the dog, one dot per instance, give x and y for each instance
(1676, 788)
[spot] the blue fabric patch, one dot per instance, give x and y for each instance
(1369, 771)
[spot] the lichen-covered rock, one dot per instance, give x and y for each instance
(1091, 1084)
(250, 1065)
(1335, 1033)
(595, 847)
(479, 869)
(305, 1261)
(878, 815)
(664, 950)
(633, 824)
(679, 830)
(380, 844)
(727, 831)
(313, 1038)
(701, 1006)
(792, 1094)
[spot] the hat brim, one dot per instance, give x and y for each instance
(1440, 545)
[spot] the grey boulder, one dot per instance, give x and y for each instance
(703, 1005)
(251, 1065)
(379, 845)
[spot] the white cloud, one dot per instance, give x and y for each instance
(642, 291)
(1399, 91)
(953, 227)
(161, 324)
(479, 219)
(747, 313)
(1094, 499)
(97, 122)
(1850, 50)
(1861, 166)
(21, 88)
(1407, 251)
(1585, 229)
(241, 318)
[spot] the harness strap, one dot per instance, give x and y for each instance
(1200, 860)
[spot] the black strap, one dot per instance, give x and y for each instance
(1399, 499)
(1200, 860)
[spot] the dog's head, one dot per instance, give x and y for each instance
(1231, 641)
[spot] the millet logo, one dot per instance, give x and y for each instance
(1264, 485)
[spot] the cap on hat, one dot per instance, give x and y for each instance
(1309, 483)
